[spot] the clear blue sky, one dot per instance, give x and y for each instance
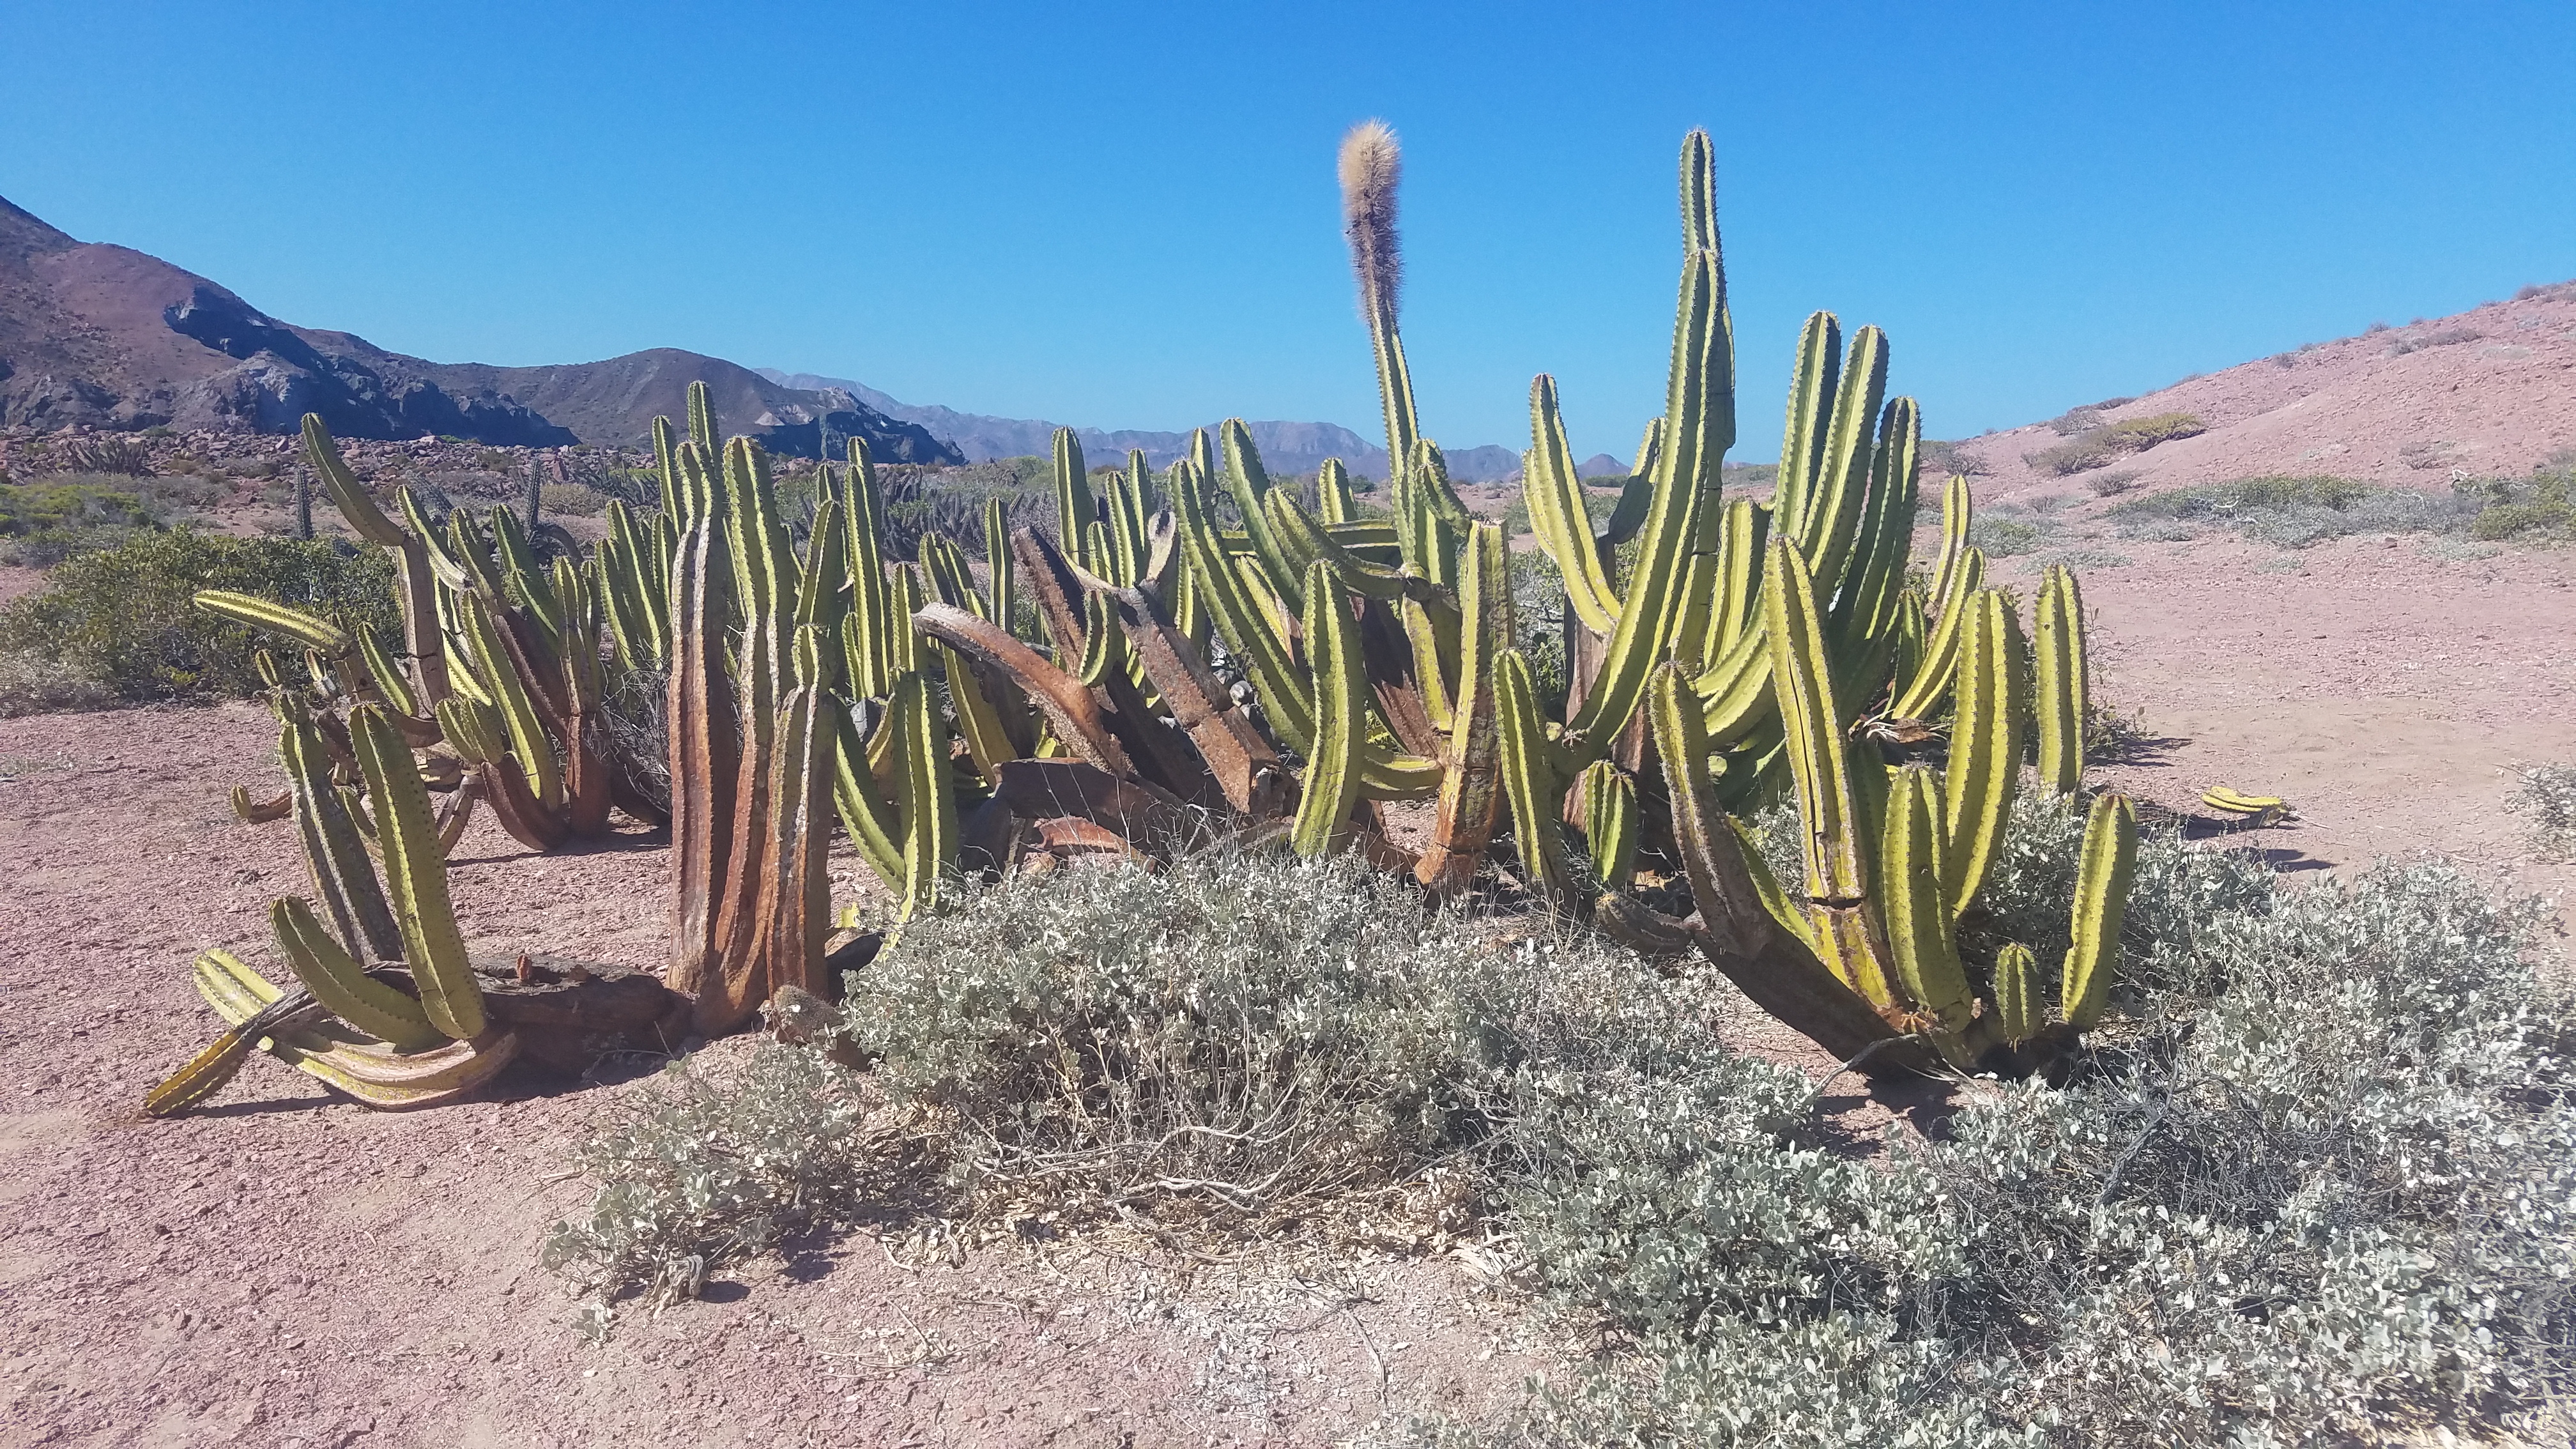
(1125, 215)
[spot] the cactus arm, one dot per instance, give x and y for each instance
(1955, 517)
(927, 803)
(344, 876)
(1246, 770)
(1812, 382)
(1127, 510)
(251, 810)
(416, 876)
(1875, 576)
(496, 668)
(1071, 711)
(389, 682)
(978, 719)
(1057, 592)
(702, 418)
(1611, 827)
(1558, 516)
(868, 644)
(796, 884)
(704, 750)
(525, 581)
(479, 737)
(1917, 914)
(1431, 631)
(874, 826)
(1829, 807)
(2110, 858)
(1836, 496)
(1985, 749)
(1744, 536)
(1003, 600)
(1470, 784)
(206, 1073)
(1802, 681)
(1636, 495)
(2061, 667)
(1747, 933)
(1075, 510)
(1736, 695)
(1921, 696)
(1701, 342)
(1302, 540)
(2017, 1010)
(1103, 651)
(319, 635)
(1244, 623)
(342, 986)
(1529, 781)
(1333, 493)
(1247, 482)
(1331, 784)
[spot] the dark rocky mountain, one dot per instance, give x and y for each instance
(98, 335)
(1285, 447)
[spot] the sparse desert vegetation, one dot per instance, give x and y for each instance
(1714, 929)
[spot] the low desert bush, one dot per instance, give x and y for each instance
(1252, 1036)
(708, 1168)
(2004, 536)
(2286, 511)
(2098, 446)
(2406, 342)
(120, 620)
(2317, 1185)
(1942, 459)
(2544, 796)
(571, 498)
(2328, 1200)
(46, 520)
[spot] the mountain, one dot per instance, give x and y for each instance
(2486, 393)
(97, 335)
(1285, 447)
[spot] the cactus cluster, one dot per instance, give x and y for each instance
(1202, 653)
(411, 1037)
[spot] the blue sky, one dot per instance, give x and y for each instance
(1125, 215)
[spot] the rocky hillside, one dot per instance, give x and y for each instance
(2487, 393)
(97, 335)
(1285, 447)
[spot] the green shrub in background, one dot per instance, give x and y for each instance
(571, 498)
(120, 619)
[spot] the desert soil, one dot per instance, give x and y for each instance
(287, 1268)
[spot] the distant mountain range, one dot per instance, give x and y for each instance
(1285, 447)
(104, 336)
(98, 335)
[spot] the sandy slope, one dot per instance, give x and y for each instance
(2490, 392)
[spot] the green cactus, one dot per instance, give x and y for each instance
(2060, 668)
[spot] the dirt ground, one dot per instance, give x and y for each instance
(288, 1269)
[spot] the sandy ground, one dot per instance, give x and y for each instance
(290, 1269)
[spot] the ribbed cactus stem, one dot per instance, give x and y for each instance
(2060, 671)
(2109, 859)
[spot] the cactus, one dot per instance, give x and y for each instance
(398, 1049)
(2061, 666)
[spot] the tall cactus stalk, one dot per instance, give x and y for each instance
(2061, 669)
